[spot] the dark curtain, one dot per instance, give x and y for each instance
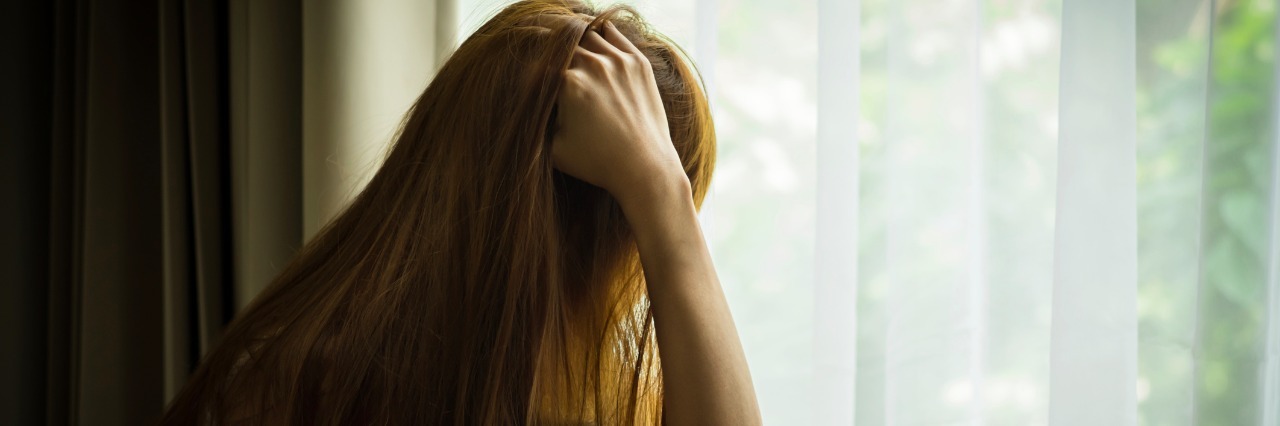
(117, 220)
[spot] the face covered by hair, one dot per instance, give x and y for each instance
(469, 282)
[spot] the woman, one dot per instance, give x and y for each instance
(491, 271)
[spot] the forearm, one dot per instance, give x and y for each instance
(705, 375)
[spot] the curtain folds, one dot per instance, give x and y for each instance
(139, 229)
(835, 277)
(997, 212)
(1067, 213)
(25, 116)
(155, 164)
(1093, 340)
(119, 229)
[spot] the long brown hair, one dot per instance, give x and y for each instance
(469, 282)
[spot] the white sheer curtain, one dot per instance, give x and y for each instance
(999, 212)
(1005, 212)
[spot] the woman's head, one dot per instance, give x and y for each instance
(470, 281)
(518, 56)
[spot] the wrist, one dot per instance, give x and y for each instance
(655, 194)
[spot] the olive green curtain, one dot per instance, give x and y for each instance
(138, 147)
(157, 175)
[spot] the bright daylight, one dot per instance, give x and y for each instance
(642, 212)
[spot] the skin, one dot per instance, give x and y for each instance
(613, 134)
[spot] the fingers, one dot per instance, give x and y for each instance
(597, 51)
(609, 41)
(619, 41)
(593, 42)
(584, 58)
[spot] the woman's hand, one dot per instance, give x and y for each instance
(611, 128)
(613, 133)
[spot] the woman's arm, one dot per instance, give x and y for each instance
(704, 371)
(613, 133)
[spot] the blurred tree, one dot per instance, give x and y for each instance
(1204, 179)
